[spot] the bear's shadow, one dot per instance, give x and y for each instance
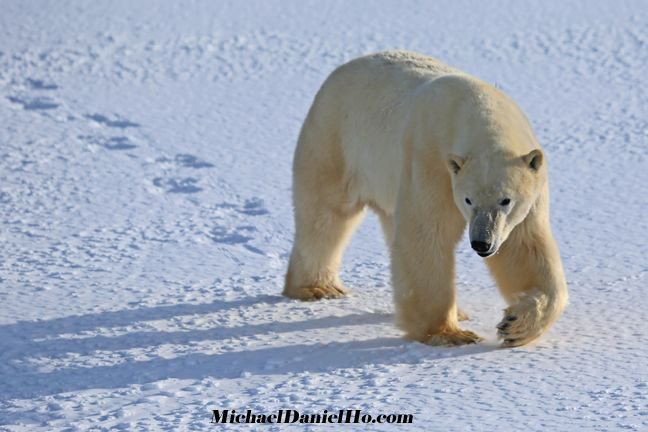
(20, 340)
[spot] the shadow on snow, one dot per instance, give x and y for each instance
(17, 383)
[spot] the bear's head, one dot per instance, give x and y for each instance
(495, 193)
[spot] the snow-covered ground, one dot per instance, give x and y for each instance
(145, 217)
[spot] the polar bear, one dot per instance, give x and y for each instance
(429, 149)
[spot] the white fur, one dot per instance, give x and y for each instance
(412, 138)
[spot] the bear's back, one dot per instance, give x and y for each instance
(387, 75)
(364, 103)
(409, 62)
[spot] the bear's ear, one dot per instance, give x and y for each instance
(455, 163)
(534, 159)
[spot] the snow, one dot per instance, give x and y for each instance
(145, 153)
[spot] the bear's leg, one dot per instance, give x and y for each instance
(529, 275)
(423, 277)
(326, 211)
(387, 224)
(317, 252)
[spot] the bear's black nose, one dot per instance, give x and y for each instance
(480, 246)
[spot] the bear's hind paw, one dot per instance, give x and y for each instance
(452, 338)
(328, 291)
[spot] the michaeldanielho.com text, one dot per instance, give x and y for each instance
(293, 416)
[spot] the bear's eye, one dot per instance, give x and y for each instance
(468, 201)
(505, 202)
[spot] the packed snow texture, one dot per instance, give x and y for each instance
(146, 219)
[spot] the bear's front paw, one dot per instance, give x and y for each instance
(327, 291)
(452, 338)
(522, 322)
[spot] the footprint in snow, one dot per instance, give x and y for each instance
(242, 234)
(177, 184)
(119, 123)
(34, 104)
(119, 143)
(185, 160)
(111, 143)
(238, 236)
(251, 207)
(36, 84)
(191, 161)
